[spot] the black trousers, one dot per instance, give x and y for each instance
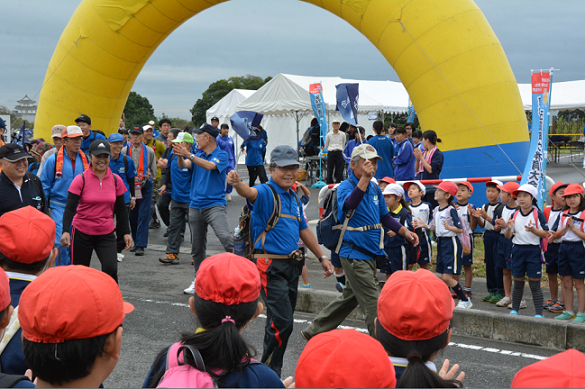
(120, 243)
(83, 245)
(257, 171)
(163, 203)
(335, 161)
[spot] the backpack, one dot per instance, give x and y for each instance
(581, 216)
(37, 182)
(543, 242)
(179, 374)
(246, 228)
(9, 380)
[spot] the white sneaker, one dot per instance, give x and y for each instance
(504, 302)
(464, 304)
(190, 289)
(120, 257)
(228, 197)
(522, 304)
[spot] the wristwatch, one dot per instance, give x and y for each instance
(321, 258)
(132, 198)
(191, 157)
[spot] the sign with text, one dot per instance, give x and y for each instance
(318, 104)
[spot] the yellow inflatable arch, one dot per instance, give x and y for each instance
(444, 51)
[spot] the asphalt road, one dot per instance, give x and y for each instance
(161, 313)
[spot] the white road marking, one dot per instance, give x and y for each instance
(363, 330)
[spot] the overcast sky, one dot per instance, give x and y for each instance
(283, 39)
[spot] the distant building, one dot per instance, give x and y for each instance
(26, 109)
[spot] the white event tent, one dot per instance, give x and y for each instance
(569, 95)
(286, 104)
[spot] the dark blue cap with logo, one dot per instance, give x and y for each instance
(206, 127)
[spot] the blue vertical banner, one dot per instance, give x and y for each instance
(348, 96)
(411, 112)
(318, 104)
(245, 124)
(535, 169)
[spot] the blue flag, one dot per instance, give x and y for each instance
(245, 124)
(21, 136)
(411, 112)
(534, 171)
(348, 101)
(318, 104)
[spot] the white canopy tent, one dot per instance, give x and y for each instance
(286, 105)
(567, 95)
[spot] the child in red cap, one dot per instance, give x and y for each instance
(569, 228)
(71, 319)
(563, 370)
(421, 216)
(225, 302)
(446, 224)
(413, 343)
(344, 359)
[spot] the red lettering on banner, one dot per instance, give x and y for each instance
(540, 82)
(314, 88)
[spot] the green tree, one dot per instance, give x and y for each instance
(219, 89)
(138, 110)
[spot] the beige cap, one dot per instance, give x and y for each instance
(371, 152)
(56, 130)
(335, 121)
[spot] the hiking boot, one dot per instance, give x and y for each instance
(170, 258)
(139, 251)
(488, 296)
(133, 249)
(497, 297)
(549, 303)
(565, 316)
(464, 304)
(166, 234)
(580, 318)
(522, 304)
(339, 286)
(504, 302)
(154, 224)
(558, 307)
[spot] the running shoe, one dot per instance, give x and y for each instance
(558, 307)
(522, 304)
(464, 304)
(120, 257)
(468, 294)
(504, 302)
(497, 297)
(539, 316)
(565, 316)
(488, 296)
(308, 286)
(454, 295)
(549, 303)
(228, 197)
(190, 289)
(339, 286)
(170, 258)
(514, 312)
(580, 318)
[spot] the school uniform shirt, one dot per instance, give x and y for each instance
(448, 214)
(423, 211)
(370, 211)
(554, 220)
(505, 213)
(226, 143)
(86, 142)
(95, 211)
(12, 358)
(118, 167)
(464, 214)
(385, 149)
(57, 188)
(283, 239)
(180, 179)
(404, 161)
(254, 152)
(404, 217)
(208, 186)
(523, 237)
(400, 365)
(490, 209)
(569, 236)
(13, 197)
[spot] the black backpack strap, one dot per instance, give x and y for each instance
(9, 380)
(125, 165)
(39, 186)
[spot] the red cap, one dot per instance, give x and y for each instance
(556, 187)
(71, 302)
(388, 180)
(448, 186)
(228, 279)
(28, 235)
(467, 184)
(4, 290)
(563, 370)
(344, 359)
(509, 187)
(422, 295)
(571, 190)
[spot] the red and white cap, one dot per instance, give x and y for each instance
(422, 187)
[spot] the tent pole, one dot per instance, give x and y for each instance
(297, 119)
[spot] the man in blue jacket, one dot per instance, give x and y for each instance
(26, 251)
(59, 171)
(84, 122)
(385, 149)
(226, 143)
(404, 159)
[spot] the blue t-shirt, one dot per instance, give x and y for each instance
(180, 180)
(369, 212)
(86, 142)
(385, 149)
(404, 161)
(208, 186)
(254, 152)
(398, 240)
(284, 237)
(226, 143)
(265, 138)
(118, 167)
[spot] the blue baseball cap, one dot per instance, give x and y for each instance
(115, 137)
(2, 124)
